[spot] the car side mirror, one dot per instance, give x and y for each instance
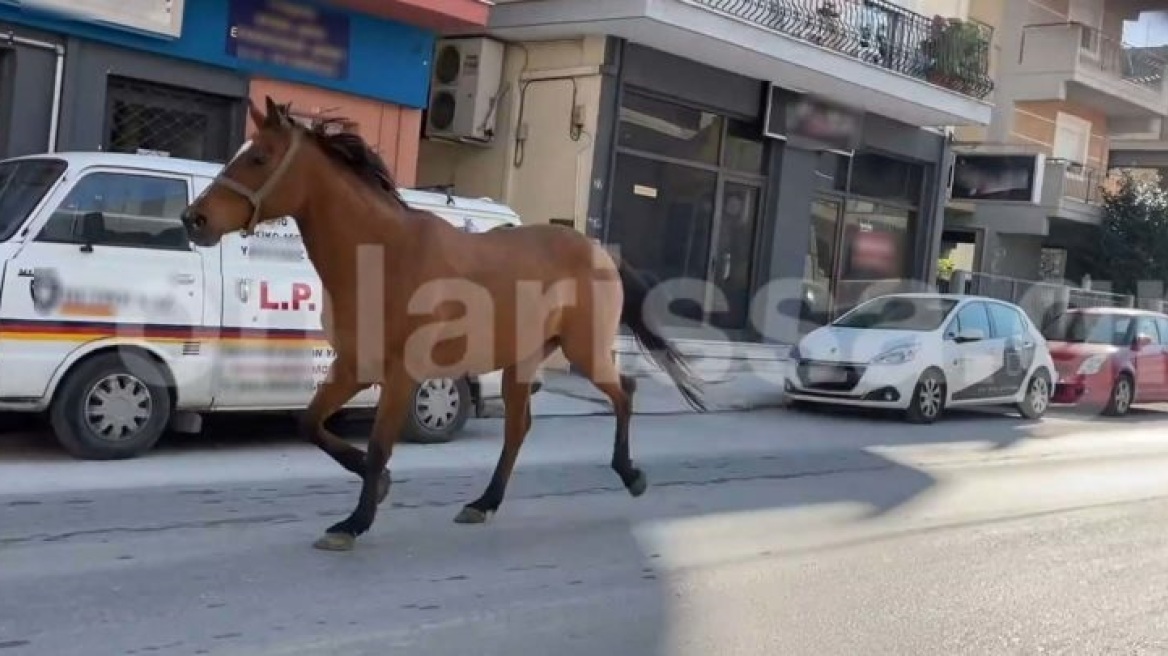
(969, 335)
(1142, 341)
(92, 229)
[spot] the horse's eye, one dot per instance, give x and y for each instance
(259, 159)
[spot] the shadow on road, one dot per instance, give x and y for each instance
(563, 565)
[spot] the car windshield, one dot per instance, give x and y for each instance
(23, 183)
(899, 313)
(1090, 328)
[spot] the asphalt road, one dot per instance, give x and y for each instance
(761, 533)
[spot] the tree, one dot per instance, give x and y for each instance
(1133, 243)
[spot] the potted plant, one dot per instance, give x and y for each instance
(955, 53)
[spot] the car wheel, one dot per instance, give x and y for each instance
(1122, 394)
(1037, 400)
(439, 409)
(928, 398)
(112, 406)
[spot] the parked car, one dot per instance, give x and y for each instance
(1109, 358)
(113, 323)
(923, 353)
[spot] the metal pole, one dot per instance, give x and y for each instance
(58, 80)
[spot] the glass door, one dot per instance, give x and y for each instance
(820, 267)
(731, 267)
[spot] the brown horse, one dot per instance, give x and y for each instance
(409, 297)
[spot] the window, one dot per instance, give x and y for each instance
(1090, 328)
(972, 317)
(876, 241)
(665, 214)
(877, 176)
(899, 313)
(1072, 138)
(1162, 324)
(1007, 321)
(1147, 326)
(136, 211)
(23, 183)
(745, 149)
(669, 130)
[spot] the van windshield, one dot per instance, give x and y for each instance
(23, 183)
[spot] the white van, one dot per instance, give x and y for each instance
(118, 327)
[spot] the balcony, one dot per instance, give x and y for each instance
(1072, 191)
(1139, 145)
(1069, 191)
(1070, 61)
(870, 54)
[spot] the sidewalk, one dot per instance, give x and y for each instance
(569, 395)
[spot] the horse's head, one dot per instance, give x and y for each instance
(260, 183)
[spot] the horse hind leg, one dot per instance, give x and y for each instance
(516, 425)
(619, 389)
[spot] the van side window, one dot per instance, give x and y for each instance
(136, 211)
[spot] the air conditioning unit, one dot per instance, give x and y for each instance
(464, 89)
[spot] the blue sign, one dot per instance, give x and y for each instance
(384, 59)
(291, 35)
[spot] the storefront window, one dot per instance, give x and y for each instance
(862, 230)
(666, 214)
(687, 193)
(669, 130)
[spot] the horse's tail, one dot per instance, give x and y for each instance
(636, 290)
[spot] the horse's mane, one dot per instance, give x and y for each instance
(352, 152)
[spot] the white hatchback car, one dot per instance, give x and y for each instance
(921, 353)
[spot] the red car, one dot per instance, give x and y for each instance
(1109, 358)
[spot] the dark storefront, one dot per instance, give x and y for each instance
(113, 99)
(695, 190)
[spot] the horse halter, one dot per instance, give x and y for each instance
(257, 197)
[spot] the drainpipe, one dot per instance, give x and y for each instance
(58, 79)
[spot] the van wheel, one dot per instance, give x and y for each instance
(112, 406)
(439, 409)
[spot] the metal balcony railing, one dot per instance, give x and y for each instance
(1144, 67)
(951, 53)
(1136, 65)
(1081, 183)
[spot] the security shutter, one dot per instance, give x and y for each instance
(147, 117)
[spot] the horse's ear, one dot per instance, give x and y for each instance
(257, 115)
(276, 115)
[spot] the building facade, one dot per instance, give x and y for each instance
(1072, 100)
(176, 79)
(783, 159)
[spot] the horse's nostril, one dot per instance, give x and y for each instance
(200, 221)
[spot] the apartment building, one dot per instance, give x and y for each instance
(1071, 101)
(782, 156)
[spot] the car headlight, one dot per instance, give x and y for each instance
(898, 355)
(1092, 365)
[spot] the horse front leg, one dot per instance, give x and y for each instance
(391, 413)
(338, 388)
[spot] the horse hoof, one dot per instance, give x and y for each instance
(335, 542)
(383, 484)
(639, 484)
(470, 515)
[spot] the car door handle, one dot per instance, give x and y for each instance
(183, 278)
